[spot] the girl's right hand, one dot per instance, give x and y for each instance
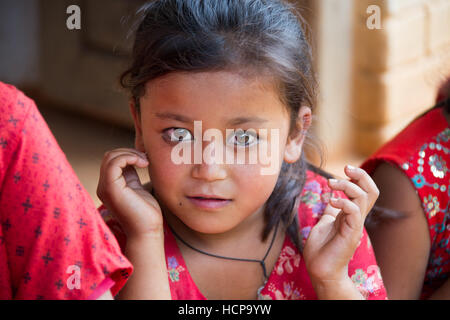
(121, 191)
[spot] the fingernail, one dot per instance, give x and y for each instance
(333, 181)
(334, 199)
(351, 168)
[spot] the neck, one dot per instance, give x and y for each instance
(248, 231)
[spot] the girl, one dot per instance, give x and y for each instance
(205, 229)
(411, 171)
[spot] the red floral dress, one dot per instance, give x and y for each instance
(421, 151)
(53, 242)
(289, 279)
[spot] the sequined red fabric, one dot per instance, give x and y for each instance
(421, 151)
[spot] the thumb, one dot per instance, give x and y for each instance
(330, 210)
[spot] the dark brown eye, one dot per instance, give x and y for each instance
(178, 135)
(243, 138)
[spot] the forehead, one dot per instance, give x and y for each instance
(213, 94)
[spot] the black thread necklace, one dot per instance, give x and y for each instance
(261, 262)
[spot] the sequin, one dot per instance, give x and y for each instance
(422, 154)
(431, 205)
(405, 166)
(418, 180)
(443, 188)
(438, 166)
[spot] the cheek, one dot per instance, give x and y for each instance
(163, 173)
(256, 187)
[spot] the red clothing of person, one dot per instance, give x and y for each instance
(421, 151)
(53, 242)
(289, 278)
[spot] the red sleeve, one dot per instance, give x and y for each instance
(362, 268)
(53, 242)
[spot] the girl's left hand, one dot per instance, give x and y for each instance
(333, 240)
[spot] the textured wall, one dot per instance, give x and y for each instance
(398, 68)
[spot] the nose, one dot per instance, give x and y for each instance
(211, 167)
(209, 172)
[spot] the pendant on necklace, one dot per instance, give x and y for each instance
(258, 292)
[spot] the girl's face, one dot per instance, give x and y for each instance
(220, 100)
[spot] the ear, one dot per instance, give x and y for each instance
(294, 144)
(138, 140)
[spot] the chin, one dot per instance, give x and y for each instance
(208, 223)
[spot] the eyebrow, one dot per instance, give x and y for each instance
(173, 116)
(184, 119)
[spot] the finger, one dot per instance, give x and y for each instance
(352, 212)
(331, 211)
(110, 155)
(114, 168)
(362, 179)
(352, 190)
(141, 161)
(110, 160)
(116, 152)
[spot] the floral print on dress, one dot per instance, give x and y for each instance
(314, 198)
(311, 197)
(290, 292)
(287, 291)
(305, 233)
(367, 281)
(288, 260)
(174, 269)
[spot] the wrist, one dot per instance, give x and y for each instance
(336, 289)
(149, 280)
(145, 239)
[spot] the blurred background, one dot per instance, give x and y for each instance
(379, 65)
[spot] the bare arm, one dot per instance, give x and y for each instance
(140, 216)
(443, 293)
(401, 245)
(149, 280)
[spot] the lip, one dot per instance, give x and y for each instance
(208, 201)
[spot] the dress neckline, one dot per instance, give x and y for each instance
(171, 241)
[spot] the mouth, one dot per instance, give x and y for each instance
(208, 201)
